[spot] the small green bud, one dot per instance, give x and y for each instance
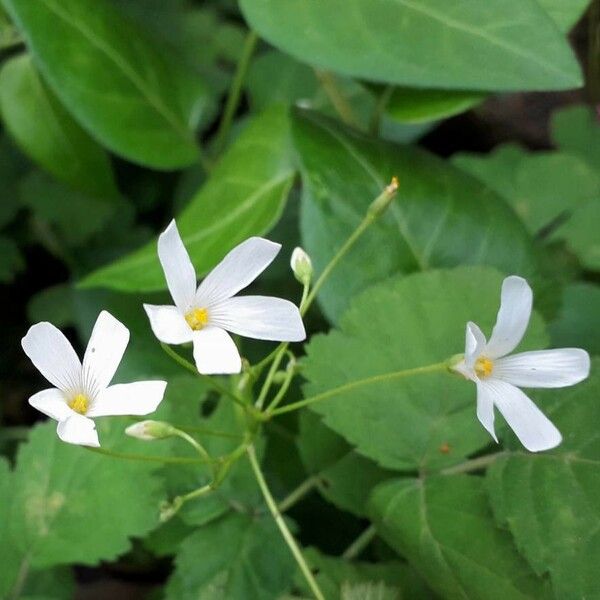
(301, 266)
(150, 430)
(381, 203)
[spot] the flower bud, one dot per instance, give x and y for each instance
(381, 203)
(150, 430)
(301, 266)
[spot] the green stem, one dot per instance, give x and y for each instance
(360, 543)
(347, 387)
(295, 495)
(194, 443)
(290, 372)
(279, 520)
(22, 575)
(337, 99)
(147, 458)
(475, 464)
(235, 91)
(186, 364)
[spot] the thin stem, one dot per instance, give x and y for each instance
(475, 464)
(194, 443)
(290, 372)
(186, 364)
(22, 575)
(279, 520)
(235, 91)
(295, 495)
(360, 543)
(337, 99)
(202, 491)
(347, 387)
(148, 458)
(208, 432)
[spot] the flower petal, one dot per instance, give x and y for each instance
(215, 352)
(139, 398)
(178, 268)
(168, 324)
(52, 403)
(544, 368)
(535, 431)
(103, 353)
(474, 343)
(260, 317)
(485, 409)
(513, 317)
(52, 354)
(79, 430)
(236, 271)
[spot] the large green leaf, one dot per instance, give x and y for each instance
(239, 557)
(576, 130)
(565, 13)
(10, 560)
(48, 134)
(549, 500)
(133, 96)
(345, 478)
(420, 422)
(244, 196)
(70, 505)
(439, 218)
(431, 43)
(445, 528)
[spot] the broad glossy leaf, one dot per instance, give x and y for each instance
(48, 134)
(445, 528)
(62, 494)
(440, 217)
(549, 500)
(136, 98)
(576, 130)
(244, 196)
(565, 13)
(578, 321)
(421, 422)
(413, 105)
(345, 477)
(431, 43)
(239, 557)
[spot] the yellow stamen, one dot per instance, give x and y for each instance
(79, 404)
(197, 318)
(484, 367)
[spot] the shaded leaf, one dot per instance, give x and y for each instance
(11, 259)
(576, 129)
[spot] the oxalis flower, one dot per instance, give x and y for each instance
(82, 391)
(498, 375)
(204, 315)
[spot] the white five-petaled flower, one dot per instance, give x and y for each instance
(205, 314)
(82, 391)
(498, 375)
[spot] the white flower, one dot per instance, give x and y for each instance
(205, 315)
(150, 430)
(497, 375)
(301, 266)
(82, 391)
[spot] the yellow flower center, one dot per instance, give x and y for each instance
(197, 318)
(80, 404)
(484, 367)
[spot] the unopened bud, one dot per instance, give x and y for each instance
(380, 204)
(301, 266)
(150, 430)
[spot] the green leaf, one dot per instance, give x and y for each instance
(421, 422)
(369, 591)
(13, 166)
(244, 196)
(54, 304)
(10, 560)
(565, 13)
(548, 500)
(345, 477)
(53, 584)
(47, 133)
(237, 557)
(413, 105)
(578, 322)
(133, 96)
(336, 576)
(423, 44)
(576, 130)
(61, 207)
(11, 260)
(445, 528)
(440, 217)
(61, 494)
